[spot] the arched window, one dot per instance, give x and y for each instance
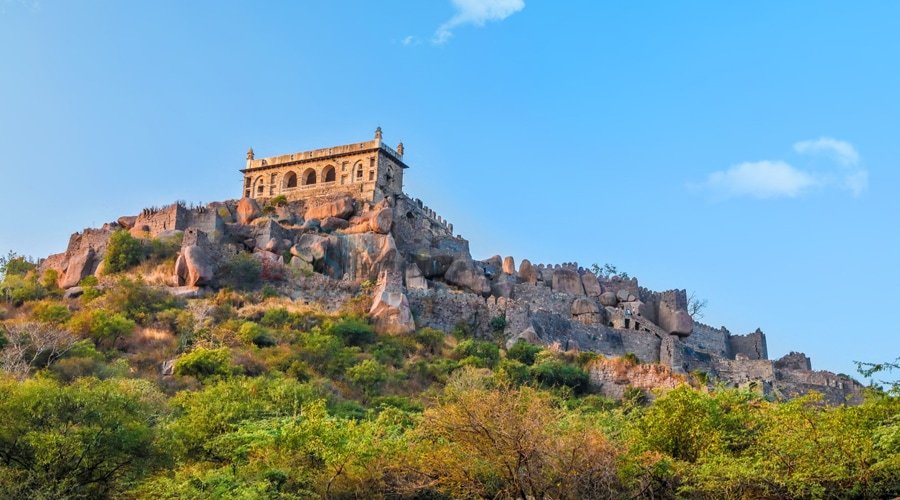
(309, 177)
(359, 173)
(328, 174)
(290, 180)
(260, 186)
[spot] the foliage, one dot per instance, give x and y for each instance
(477, 353)
(368, 374)
(255, 334)
(557, 373)
(139, 301)
(353, 331)
(123, 252)
(204, 364)
(51, 312)
(523, 352)
(430, 339)
(497, 324)
(29, 346)
(19, 288)
(241, 272)
(607, 271)
(278, 201)
(869, 369)
(90, 439)
(101, 325)
(15, 264)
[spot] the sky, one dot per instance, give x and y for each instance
(747, 152)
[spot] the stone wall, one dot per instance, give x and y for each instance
(711, 340)
(153, 221)
(751, 346)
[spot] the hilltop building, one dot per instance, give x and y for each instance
(368, 171)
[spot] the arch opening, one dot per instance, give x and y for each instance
(309, 177)
(290, 180)
(328, 175)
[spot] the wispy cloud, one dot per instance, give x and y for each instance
(477, 13)
(410, 40)
(780, 179)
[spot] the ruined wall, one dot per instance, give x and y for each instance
(711, 340)
(153, 221)
(752, 345)
(794, 361)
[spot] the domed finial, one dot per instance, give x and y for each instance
(250, 154)
(378, 133)
(400, 149)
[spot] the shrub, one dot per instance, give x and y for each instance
(368, 375)
(478, 353)
(139, 301)
(50, 279)
(523, 352)
(18, 288)
(101, 325)
(354, 332)
(555, 373)
(15, 264)
(241, 272)
(123, 252)
(631, 358)
(497, 324)
(176, 320)
(278, 201)
(204, 364)
(51, 312)
(252, 333)
(513, 370)
(160, 249)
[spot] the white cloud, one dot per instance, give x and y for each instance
(842, 151)
(780, 179)
(476, 12)
(760, 179)
(410, 40)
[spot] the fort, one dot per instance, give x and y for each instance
(368, 171)
(344, 219)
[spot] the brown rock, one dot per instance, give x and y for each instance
(527, 272)
(414, 278)
(247, 210)
(127, 221)
(382, 220)
(567, 281)
(200, 269)
(390, 311)
(332, 223)
(464, 274)
(341, 207)
(509, 266)
(591, 285)
(80, 265)
(608, 299)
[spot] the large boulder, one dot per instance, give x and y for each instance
(502, 286)
(586, 311)
(527, 272)
(381, 221)
(414, 278)
(675, 321)
(127, 221)
(567, 281)
(608, 299)
(464, 274)
(528, 335)
(196, 267)
(80, 265)
(330, 224)
(340, 206)
(509, 266)
(390, 311)
(247, 210)
(591, 284)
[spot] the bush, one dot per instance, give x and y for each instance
(368, 375)
(523, 352)
(354, 332)
(555, 373)
(14, 264)
(18, 289)
(278, 201)
(252, 333)
(50, 280)
(139, 301)
(51, 312)
(498, 324)
(123, 252)
(241, 272)
(204, 364)
(431, 340)
(101, 325)
(477, 353)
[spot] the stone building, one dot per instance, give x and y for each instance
(368, 171)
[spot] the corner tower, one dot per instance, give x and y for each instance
(368, 171)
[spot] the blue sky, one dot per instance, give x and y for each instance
(747, 152)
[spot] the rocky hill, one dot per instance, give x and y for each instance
(420, 274)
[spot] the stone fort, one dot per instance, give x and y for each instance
(368, 171)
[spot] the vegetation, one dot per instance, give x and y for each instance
(270, 399)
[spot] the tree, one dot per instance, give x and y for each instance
(31, 346)
(90, 439)
(15, 264)
(607, 271)
(123, 252)
(696, 306)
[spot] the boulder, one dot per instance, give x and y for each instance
(414, 278)
(390, 311)
(586, 311)
(80, 265)
(623, 295)
(509, 266)
(381, 221)
(340, 206)
(200, 269)
(181, 270)
(284, 215)
(330, 224)
(433, 263)
(608, 299)
(312, 225)
(186, 292)
(313, 245)
(74, 292)
(503, 286)
(271, 245)
(591, 284)
(127, 221)
(301, 264)
(675, 322)
(247, 210)
(140, 232)
(566, 281)
(528, 335)
(527, 272)
(492, 266)
(464, 274)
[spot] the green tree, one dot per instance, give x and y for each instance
(205, 364)
(123, 252)
(368, 374)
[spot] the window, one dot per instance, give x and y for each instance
(309, 177)
(371, 175)
(328, 174)
(290, 180)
